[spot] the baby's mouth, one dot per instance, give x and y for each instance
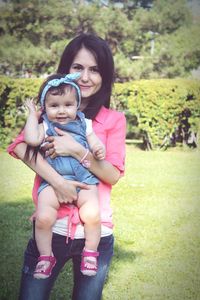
(61, 119)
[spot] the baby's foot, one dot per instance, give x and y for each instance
(89, 262)
(44, 266)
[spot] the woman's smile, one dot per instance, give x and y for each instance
(90, 80)
(84, 87)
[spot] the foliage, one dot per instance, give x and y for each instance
(173, 62)
(138, 33)
(13, 93)
(160, 112)
(165, 111)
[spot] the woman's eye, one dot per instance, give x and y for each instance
(77, 67)
(94, 70)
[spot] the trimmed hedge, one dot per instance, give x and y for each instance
(13, 93)
(160, 112)
(164, 111)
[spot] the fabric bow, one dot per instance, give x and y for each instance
(68, 79)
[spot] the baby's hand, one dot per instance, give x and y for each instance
(99, 151)
(29, 103)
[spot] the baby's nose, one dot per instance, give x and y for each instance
(61, 109)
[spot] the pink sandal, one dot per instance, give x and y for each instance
(41, 271)
(89, 262)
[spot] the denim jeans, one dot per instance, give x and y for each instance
(85, 287)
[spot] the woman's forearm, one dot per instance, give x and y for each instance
(66, 190)
(40, 166)
(103, 169)
(65, 145)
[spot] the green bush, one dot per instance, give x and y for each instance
(165, 111)
(13, 93)
(160, 112)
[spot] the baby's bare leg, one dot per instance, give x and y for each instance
(46, 215)
(89, 211)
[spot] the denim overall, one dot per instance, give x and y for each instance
(67, 166)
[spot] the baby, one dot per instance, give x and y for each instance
(60, 99)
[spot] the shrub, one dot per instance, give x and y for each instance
(13, 93)
(161, 112)
(165, 111)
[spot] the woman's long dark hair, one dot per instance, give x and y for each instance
(102, 53)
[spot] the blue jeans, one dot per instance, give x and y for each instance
(85, 287)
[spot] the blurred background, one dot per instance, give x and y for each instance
(149, 38)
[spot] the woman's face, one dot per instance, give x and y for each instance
(90, 80)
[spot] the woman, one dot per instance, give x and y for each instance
(91, 56)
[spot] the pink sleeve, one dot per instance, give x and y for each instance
(115, 142)
(19, 139)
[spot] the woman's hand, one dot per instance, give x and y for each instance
(66, 191)
(62, 145)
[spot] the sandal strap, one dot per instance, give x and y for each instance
(86, 253)
(51, 259)
(47, 272)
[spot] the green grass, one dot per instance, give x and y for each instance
(157, 228)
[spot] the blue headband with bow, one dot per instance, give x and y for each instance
(68, 79)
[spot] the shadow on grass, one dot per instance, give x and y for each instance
(125, 255)
(15, 232)
(121, 257)
(16, 229)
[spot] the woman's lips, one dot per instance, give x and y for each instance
(84, 87)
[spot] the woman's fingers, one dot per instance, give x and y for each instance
(81, 185)
(62, 145)
(48, 148)
(52, 153)
(67, 193)
(49, 139)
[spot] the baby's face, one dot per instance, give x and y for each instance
(61, 108)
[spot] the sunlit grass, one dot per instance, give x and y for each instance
(157, 228)
(157, 216)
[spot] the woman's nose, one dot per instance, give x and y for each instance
(84, 75)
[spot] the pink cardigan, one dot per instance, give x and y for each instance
(110, 127)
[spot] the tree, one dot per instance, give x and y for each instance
(149, 39)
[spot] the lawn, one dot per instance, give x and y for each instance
(157, 228)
